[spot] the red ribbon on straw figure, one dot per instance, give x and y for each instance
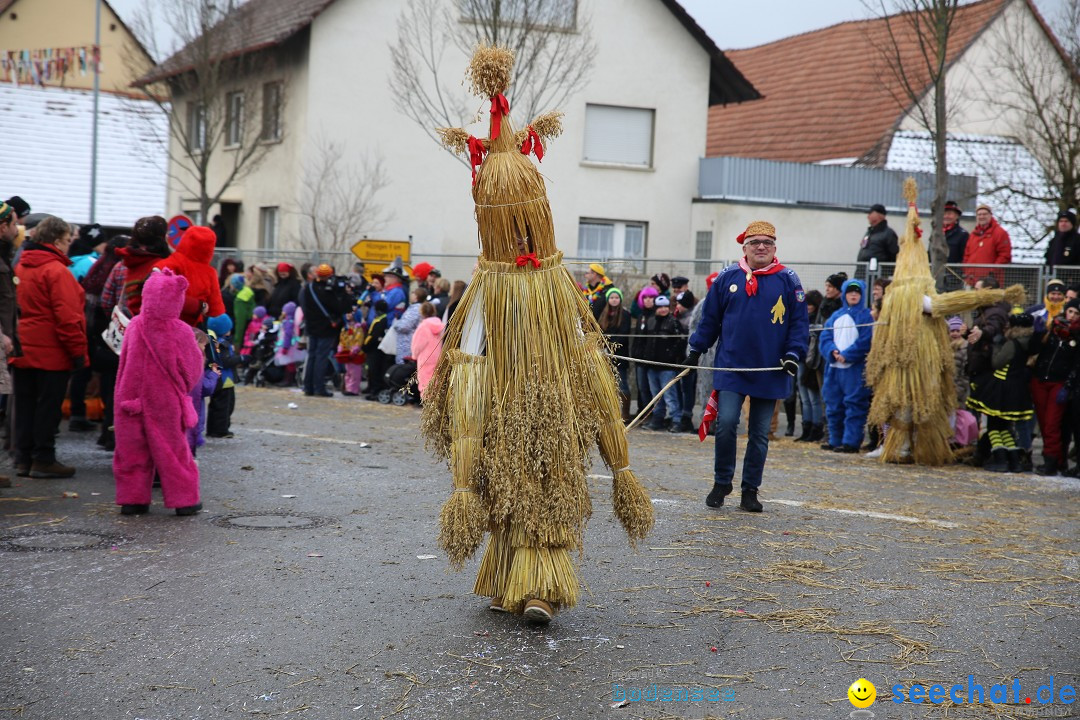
(523, 260)
(500, 106)
(476, 154)
(532, 144)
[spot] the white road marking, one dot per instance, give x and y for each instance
(867, 513)
(268, 431)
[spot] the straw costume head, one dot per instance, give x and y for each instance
(910, 366)
(523, 388)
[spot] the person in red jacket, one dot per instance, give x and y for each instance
(192, 260)
(52, 336)
(988, 243)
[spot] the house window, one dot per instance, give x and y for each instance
(271, 112)
(703, 251)
(602, 240)
(268, 228)
(546, 14)
(234, 118)
(618, 135)
(197, 126)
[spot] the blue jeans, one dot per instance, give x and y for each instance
(318, 362)
(644, 393)
(658, 378)
(810, 399)
(729, 405)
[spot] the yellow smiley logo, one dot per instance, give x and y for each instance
(862, 693)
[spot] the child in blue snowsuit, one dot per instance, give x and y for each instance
(844, 346)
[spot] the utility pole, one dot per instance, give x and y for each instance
(97, 90)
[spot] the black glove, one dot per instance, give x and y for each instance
(692, 358)
(790, 366)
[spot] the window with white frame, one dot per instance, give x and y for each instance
(540, 14)
(271, 112)
(234, 118)
(604, 239)
(197, 126)
(619, 135)
(268, 228)
(702, 251)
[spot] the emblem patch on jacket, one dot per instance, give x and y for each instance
(778, 311)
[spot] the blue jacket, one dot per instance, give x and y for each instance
(754, 331)
(840, 333)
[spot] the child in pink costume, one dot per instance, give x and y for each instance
(160, 363)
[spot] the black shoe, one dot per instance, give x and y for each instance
(749, 501)
(1049, 468)
(22, 470)
(324, 394)
(675, 427)
(827, 446)
(134, 509)
(51, 470)
(686, 425)
(189, 510)
(998, 462)
(817, 432)
(654, 425)
(716, 497)
(1016, 464)
(80, 425)
(790, 432)
(807, 429)
(845, 449)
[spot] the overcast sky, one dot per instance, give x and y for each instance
(732, 23)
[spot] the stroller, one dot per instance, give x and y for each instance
(401, 386)
(260, 368)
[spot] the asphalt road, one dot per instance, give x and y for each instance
(899, 575)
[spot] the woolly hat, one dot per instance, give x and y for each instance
(662, 280)
(220, 325)
(284, 267)
(686, 299)
(954, 323)
(1074, 303)
(288, 308)
(381, 306)
(6, 211)
(597, 268)
(1063, 215)
(324, 271)
(20, 206)
(662, 301)
(758, 227)
(236, 281)
(837, 280)
(1021, 319)
(711, 279)
(1055, 284)
(422, 270)
(613, 291)
(878, 208)
(259, 312)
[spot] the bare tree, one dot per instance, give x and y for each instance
(212, 91)
(1039, 87)
(337, 201)
(551, 39)
(915, 51)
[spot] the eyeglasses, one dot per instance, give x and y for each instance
(761, 243)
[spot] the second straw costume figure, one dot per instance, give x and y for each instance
(910, 366)
(523, 389)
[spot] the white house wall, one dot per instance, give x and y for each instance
(646, 59)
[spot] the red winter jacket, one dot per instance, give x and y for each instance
(192, 260)
(52, 324)
(988, 245)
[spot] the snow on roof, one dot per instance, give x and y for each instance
(47, 145)
(998, 162)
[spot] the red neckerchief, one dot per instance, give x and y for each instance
(751, 279)
(948, 227)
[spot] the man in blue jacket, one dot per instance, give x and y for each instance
(756, 312)
(844, 343)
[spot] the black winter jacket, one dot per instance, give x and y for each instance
(879, 242)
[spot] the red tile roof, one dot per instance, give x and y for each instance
(829, 93)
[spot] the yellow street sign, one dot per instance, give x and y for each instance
(381, 253)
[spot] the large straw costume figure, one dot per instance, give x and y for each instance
(523, 389)
(910, 366)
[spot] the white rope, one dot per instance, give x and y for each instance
(693, 367)
(633, 335)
